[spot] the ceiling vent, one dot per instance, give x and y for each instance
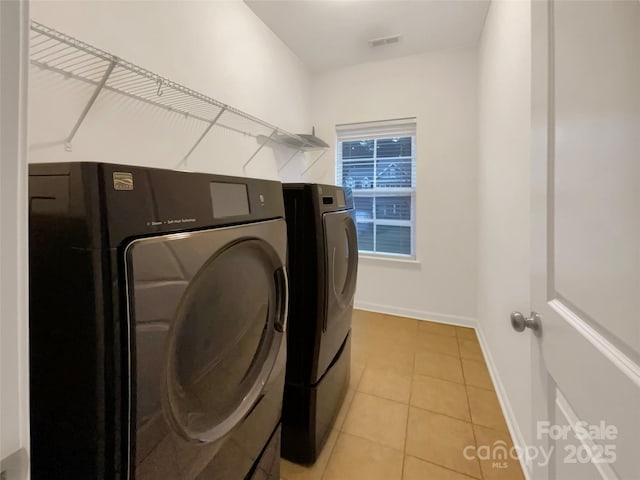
(378, 42)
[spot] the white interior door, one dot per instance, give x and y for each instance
(586, 238)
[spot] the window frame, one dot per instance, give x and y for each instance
(376, 131)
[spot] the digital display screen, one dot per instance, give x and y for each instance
(229, 199)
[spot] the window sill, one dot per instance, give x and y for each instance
(388, 258)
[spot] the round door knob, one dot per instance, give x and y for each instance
(519, 322)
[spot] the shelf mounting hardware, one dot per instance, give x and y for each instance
(296, 152)
(204, 134)
(313, 163)
(269, 139)
(87, 107)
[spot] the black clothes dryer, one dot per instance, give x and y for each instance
(322, 263)
(157, 310)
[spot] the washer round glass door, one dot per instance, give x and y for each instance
(222, 342)
(208, 311)
(342, 256)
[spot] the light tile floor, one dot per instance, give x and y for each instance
(420, 393)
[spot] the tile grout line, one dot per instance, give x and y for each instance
(406, 427)
(444, 379)
(431, 462)
(377, 444)
(492, 389)
(466, 392)
(434, 412)
(324, 470)
(442, 353)
(459, 419)
(381, 398)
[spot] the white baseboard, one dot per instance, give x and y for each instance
(417, 314)
(512, 424)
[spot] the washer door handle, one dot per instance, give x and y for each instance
(282, 305)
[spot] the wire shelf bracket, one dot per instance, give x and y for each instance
(288, 160)
(313, 163)
(204, 134)
(262, 144)
(87, 107)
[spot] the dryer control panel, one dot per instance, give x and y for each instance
(332, 198)
(328, 198)
(141, 201)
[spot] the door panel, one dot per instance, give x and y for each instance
(586, 236)
(570, 462)
(597, 147)
(207, 311)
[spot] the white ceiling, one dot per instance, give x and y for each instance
(327, 34)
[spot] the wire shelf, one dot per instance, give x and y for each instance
(60, 53)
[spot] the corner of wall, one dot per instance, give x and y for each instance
(503, 208)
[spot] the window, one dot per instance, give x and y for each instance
(377, 161)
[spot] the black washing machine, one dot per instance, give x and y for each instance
(157, 309)
(322, 263)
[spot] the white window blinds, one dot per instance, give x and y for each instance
(377, 161)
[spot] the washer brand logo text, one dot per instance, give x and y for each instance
(122, 181)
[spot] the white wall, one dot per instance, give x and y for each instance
(503, 202)
(439, 89)
(218, 48)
